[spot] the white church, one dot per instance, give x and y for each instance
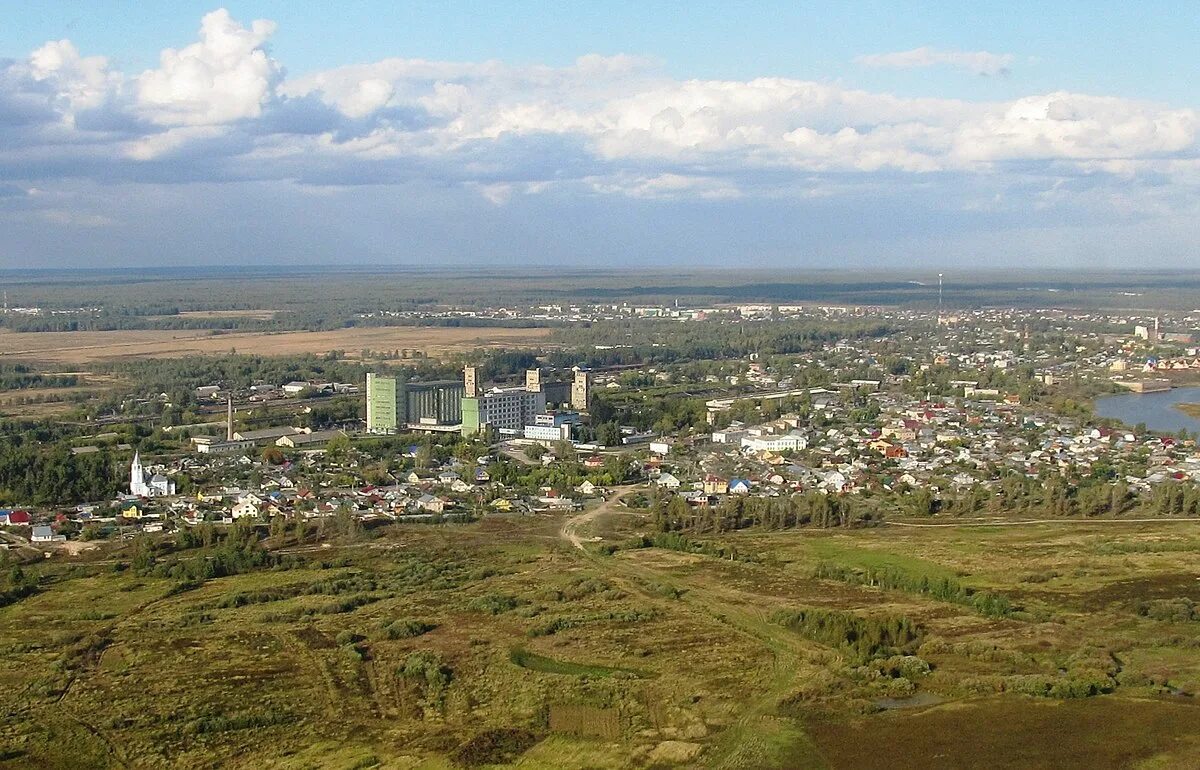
(142, 485)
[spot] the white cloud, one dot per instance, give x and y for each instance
(977, 62)
(226, 76)
(220, 109)
(81, 82)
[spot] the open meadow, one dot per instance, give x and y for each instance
(556, 642)
(83, 347)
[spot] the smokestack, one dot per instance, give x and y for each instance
(229, 419)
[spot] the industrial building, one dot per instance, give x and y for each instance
(394, 406)
(438, 403)
(381, 404)
(552, 426)
(506, 410)
(581, 389)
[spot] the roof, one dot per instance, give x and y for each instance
(315, 437)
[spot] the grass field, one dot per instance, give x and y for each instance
(86, 347)
(502, 644)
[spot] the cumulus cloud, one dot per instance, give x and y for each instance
(221, 109)
(977, 62)
(81, 82)
(225, 76)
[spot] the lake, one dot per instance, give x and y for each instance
(1157, 410)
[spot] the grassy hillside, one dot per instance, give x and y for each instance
(501, 644)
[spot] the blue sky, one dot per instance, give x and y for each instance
(866, 133)
(1143, 50)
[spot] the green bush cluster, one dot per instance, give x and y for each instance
(16, 585)
(943, 589)
(675, 541)
(406, 628)
(864, 638)
(425, 670)
(1178, 610)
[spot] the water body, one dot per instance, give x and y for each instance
(1157, 410)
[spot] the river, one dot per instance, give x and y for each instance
(1157, 410)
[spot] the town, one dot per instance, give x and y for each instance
(934, 416)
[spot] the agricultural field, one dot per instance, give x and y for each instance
(84, 347)
(548, 641)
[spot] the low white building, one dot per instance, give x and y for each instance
(791, 441)
(46, 535)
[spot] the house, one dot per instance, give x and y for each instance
(668, 481)
(739, 487)
(245, 509)
(662, 446)
(295, 387)
(15, 518)
(586, 488)
(715, 485)
(46, 535)
(594, 462)
(431, 503)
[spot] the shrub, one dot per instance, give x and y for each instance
(1177, 610)
(943, 589)
(406, 629)
(864, 638)
(494, 604)
(425, 670)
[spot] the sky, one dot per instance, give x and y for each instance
(793, 135)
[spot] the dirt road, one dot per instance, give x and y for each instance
(570, 527)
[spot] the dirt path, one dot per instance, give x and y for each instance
(759, 737)
(570, 527)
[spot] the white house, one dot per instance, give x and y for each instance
(245, 509)
(46, 535)
(668, 481)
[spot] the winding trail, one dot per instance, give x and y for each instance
(570, 527)
(759, 738)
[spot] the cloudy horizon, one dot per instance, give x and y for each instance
(218, 154)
